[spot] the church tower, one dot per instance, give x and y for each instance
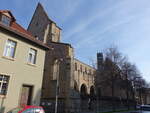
(99, 60)
(43, 28)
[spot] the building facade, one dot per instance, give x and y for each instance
(83, 76)
(22, 64)
(62, 74)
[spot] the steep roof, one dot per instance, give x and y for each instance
(19, 30)
(39, 6)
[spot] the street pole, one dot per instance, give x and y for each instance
(57, 87)
(140, 92)
(56, 103)
(127, 93)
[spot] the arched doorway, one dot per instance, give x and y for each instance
(92, 92)
(83, 97)
(75, 86)
(83, 91)
(92, 98)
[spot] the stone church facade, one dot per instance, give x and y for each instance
(64, 75)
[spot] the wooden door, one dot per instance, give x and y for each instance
(26, 94)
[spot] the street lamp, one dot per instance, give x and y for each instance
(57, 83)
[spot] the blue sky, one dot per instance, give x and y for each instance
(93, 25)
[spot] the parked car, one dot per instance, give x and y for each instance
(145, 108)
(138, 106)
(27, 109)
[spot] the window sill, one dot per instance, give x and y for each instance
(34, 65)
(8, 58)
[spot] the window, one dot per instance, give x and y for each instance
(37, 24)
(85, 70)
(55, 69)
(81, 68)
(32, 56)
(10, 49)
(90, 72)
(5, 20)
(3, 84)
(76, 66)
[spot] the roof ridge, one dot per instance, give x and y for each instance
(43, 9)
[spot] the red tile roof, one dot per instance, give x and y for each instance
(19, 30)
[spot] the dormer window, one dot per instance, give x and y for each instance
(5, 20)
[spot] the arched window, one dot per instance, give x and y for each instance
(75, 86)
(55, 69)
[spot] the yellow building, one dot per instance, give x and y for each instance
(22, 62)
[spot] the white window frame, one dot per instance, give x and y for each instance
(9, 46)
(2, 82)
(33, 53)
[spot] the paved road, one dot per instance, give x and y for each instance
(115, 112)
(129, 112)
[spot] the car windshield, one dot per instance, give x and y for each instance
(33, 110)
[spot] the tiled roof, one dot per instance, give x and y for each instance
(19, 30)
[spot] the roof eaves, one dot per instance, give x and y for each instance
(63, 44)
(84, 63)
(35, 41)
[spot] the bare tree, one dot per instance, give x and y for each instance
(116, 71)
(127, 73)
(109, 74)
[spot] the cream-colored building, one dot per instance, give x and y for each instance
(84, 76)
(22, 63)
(61, 70)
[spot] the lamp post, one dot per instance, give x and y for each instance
(127, 93)
(57, 84)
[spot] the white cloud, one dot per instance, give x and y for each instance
(91, 40)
